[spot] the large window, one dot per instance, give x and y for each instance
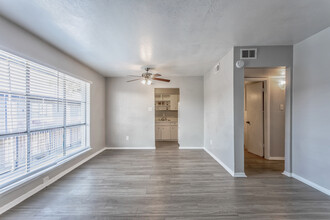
(44, 117)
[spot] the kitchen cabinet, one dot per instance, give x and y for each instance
(174, 102)
(158, 132)
(174, 132)
(167, 131)
(166, 102)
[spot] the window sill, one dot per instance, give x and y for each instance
(14, 186)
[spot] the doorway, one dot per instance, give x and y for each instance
(166, 117)
(264, 120)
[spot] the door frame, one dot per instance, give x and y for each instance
(266, 113)
(154, 107)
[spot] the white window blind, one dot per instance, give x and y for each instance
(44, 117)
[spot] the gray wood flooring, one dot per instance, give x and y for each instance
(168, 183)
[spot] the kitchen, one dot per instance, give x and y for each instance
(166, 116)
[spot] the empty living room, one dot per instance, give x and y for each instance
(164, 109)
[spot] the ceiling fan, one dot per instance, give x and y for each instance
(147, 78)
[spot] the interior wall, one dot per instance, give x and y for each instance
(311, 108)
(268, 56)
(277, 119)
(219, 111)
(18, 41)
(130, 112)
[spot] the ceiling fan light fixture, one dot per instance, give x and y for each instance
(149, 82)
(143, 81)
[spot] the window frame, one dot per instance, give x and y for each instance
(31, 175)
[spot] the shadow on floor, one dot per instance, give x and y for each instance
(167, 145)
(258, 166)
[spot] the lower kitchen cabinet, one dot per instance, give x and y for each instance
(166, 132)
(174, 132)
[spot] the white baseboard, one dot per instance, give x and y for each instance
(130, 148)
(239, 175)
(42, 186)
(287, 174)
(276, 158)
(312, 184)
(191, 148)
(220, 162)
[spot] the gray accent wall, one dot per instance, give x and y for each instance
(311, 109)
(17, 41)
(219, 111)
(128, 112)
(268, 56)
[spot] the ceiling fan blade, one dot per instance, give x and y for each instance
(134, 76)
(156, 75)
(160, 79)
(132, 80)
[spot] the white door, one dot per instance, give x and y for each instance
(255, 118)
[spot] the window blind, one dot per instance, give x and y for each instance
(44, 117)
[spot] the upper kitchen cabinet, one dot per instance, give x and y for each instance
(166, 102)
(174, 99)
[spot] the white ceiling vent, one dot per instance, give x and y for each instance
(249, 53)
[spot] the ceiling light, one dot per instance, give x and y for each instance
(281, 84)
(148, 82)
(144, 81)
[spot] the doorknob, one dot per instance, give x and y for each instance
(248, 122)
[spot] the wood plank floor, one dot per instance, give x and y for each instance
(168, 183)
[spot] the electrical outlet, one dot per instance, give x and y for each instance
(211, 141)
(127, 138)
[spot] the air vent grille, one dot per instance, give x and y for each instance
(249, 53)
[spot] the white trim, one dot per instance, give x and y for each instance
(191, 148)
(286, 173)
(45, 184)
(30, 178)
(130, 148)
(312, 184)
(220, 162)
(239, 174)
(276, 158)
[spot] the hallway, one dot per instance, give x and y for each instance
(168, 183)
(258, 166)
